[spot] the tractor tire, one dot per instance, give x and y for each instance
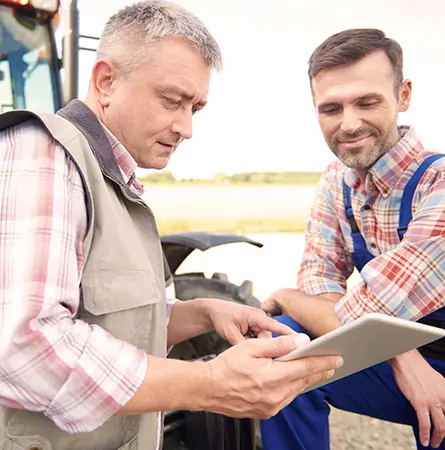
(195, 285)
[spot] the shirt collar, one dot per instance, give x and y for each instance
(385, 173)
(125, 161)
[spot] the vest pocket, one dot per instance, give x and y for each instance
(132, 445)
(105, 293)
(28, 443)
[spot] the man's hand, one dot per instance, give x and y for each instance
(243, 381)
(247, 382)
(424, 388)
(276, 303)
(236, 323)
(315, 313)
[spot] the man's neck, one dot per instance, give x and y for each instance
(362, 175)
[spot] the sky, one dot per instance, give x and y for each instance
(260, 115)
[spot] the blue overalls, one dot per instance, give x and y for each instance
(304, 424)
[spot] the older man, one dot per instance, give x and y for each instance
(82, 297)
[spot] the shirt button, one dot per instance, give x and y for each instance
(373, 245)
(367, 207)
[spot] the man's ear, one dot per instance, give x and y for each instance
(405, 91)
(103, 77)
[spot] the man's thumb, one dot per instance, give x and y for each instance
(279, 346)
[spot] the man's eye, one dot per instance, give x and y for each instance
(329, 111)
(195, 110)
(367, 104)
(172, 102)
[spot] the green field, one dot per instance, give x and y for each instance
(243, 208)
(240, 226)
(246, 178)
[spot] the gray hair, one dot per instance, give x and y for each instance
(129, 33)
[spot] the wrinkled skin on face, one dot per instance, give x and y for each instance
(150, 110)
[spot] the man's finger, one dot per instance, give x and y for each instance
(264, 334)
(320, 376)
(438, 420)
(266, 303)
(296, 387)
(423, 416)
(271, 348)
(269, 305)
(264, 322)
(305, 372)
(311, 368)
(234, 336)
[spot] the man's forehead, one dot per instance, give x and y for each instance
(371, 74)
(348, 92)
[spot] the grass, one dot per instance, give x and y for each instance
(239, 179)
(232, 225)
(238, 209)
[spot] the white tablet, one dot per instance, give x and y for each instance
(367, 341)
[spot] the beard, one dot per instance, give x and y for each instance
(366, 155)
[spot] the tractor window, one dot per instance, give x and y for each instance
(28, 76)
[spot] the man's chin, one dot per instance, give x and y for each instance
(158, 164)
(358, 164)
(161, 163)
(355, 158)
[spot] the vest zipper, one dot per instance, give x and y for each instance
(125, 194)
(143, 204)
(161, 437)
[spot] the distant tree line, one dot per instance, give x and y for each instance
(303, 178)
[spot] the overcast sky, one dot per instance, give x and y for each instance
(260, 115)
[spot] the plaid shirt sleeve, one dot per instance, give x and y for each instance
(408, 281)
(76, 374)
(325, 265)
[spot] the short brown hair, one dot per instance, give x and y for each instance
(350, 46)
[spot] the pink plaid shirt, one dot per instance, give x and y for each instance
(405, 279)
(76, 374)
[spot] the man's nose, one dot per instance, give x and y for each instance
(351, 121)
(183, 125)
